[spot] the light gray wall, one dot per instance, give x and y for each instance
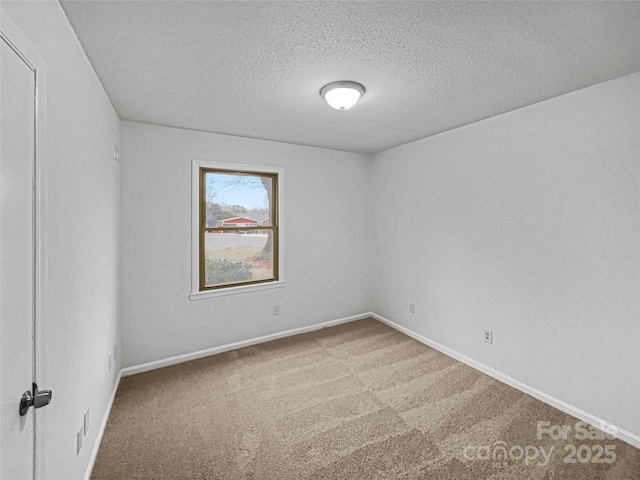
(326, 250)
(526, 224)
(82, 228)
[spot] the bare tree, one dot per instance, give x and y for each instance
(268, 247)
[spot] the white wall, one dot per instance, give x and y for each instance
(326, 251)
(526, 224)
(82, 228)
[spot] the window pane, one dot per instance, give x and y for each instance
(237, 200)
(238, 257)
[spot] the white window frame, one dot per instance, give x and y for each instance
(196, 294)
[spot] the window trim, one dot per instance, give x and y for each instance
(196, 219)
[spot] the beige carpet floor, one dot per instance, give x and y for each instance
(356, 401)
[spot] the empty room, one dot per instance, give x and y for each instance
(281, 240)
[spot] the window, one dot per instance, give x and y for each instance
(238, 227)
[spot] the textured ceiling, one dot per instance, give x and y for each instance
(255, 68)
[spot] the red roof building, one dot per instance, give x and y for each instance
(238, 222)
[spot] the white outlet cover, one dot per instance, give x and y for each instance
(79, 440)
(86, 422)
(488, 337)
(412, 307)
(276, 309)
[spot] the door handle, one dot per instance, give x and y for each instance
(37, 399)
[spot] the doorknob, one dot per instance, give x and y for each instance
(37, 399)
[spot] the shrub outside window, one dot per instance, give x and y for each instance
(238, 234)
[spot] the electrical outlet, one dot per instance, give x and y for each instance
(488, 337)
(276, 309)
(79, 441)
(86, 422)
(412, 307)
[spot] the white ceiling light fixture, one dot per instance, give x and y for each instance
(342, 95)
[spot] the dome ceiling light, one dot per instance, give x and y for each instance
(342, 95)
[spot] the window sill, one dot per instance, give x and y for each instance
(236, 290)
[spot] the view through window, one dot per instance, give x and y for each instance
(239, 228)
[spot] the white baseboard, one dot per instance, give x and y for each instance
(628, 437)
(103, 427)
(145, 367)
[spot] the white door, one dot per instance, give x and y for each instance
(17, 262)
